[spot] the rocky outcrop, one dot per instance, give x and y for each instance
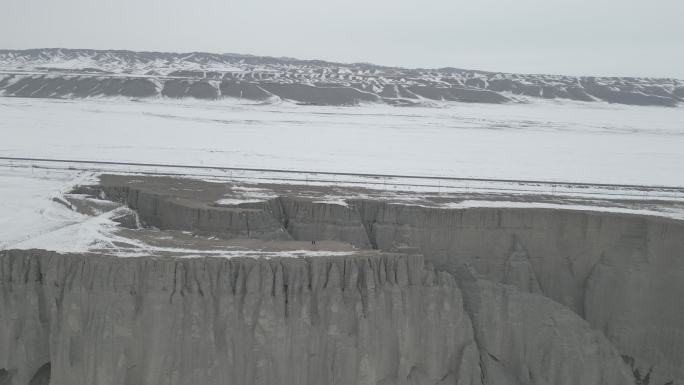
(386, 319)
(638, 305)
(169, 212)
(623, 273)
(306, 220)
(519, 331)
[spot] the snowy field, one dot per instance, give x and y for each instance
(576, 142)
(32, 219)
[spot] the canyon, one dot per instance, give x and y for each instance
(424, 294)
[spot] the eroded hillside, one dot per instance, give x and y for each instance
(67, 73)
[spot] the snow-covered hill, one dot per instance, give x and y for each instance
(68, 73)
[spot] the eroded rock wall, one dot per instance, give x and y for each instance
(386, 319)
(519, 339)
(623, 273)
(99, 320)
(169, 212)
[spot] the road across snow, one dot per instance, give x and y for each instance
(577, 142)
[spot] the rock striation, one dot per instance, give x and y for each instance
(385, 319)
(623, 274)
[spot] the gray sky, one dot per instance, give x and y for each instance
(574, 37)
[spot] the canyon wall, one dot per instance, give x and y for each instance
(381, 320)
(623, 273)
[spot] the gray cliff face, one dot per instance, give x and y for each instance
(518, 334)
(390, 319)
(624, 274)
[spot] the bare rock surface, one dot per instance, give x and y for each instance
(623, 273)
(520, 330)
(391, 319)
(422, 295)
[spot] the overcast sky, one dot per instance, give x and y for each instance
(574, 37)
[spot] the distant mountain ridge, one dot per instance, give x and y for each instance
(84, 73)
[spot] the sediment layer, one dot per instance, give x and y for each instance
(622, 273)
(391, 319)
(65, 73)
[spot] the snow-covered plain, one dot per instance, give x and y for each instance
(569, 141)
(32, 219)
(574, 142)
